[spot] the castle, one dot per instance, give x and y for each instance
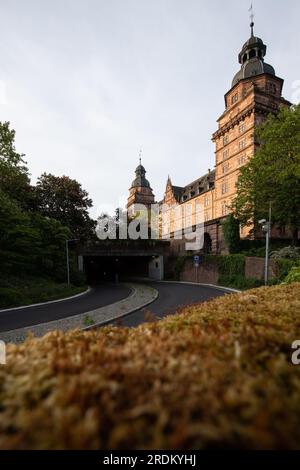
(255, 92)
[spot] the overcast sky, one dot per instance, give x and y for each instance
(87, 83)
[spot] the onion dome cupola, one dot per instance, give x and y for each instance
(140, 177)
(140, 191)
(251, 59)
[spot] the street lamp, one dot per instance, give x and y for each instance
(266, 228)
(67, 255)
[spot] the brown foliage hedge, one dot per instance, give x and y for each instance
(218, 374)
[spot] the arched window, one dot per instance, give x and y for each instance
(252, 53)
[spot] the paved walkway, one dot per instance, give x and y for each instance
(140, 296)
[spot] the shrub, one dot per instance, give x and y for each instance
(293, 275)
(283, 267)
(239, 282)
(231, 231)
(288, 252)
(232, 265)
(9, 296)
(78, 279)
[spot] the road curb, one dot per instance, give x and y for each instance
(12, 309)
(225, 289)
(123, 315)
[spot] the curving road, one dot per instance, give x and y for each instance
(171, 297)
(98, 297)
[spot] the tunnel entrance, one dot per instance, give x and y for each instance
(100, 269)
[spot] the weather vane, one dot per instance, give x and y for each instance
(140, 156)
(252, 18)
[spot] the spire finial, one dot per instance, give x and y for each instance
(140, 157)
(252, 19)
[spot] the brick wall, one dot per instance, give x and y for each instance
(208, 273)
(254, 268)
(205, 273)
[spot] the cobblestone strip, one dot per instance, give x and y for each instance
(141, 296)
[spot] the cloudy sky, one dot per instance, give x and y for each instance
(87, 83)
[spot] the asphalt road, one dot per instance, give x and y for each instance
(98, 297)
(171, 297)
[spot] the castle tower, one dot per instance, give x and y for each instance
(255, 92)
(140, 191)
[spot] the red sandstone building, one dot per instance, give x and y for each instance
(255, 92)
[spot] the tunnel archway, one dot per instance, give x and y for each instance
(101, 269)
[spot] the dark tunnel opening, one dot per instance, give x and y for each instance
(101, 269)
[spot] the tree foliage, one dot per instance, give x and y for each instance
(14, 176)
(30, 243)
(35, 222)
(231, 231)
(63, 199)
(273, 173)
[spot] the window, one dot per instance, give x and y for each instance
(242, 160)
(242, 128)
(206, 217)
(225, 168)
(224, 208)
(225, 154)
(225, 140)
(224, 187)
(242, 144)
(206, 201)
(234, 98)
(272, 88)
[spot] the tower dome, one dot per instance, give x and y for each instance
(251, 59)
(140, 178)
(140, 191)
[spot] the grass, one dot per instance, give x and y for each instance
(88, 320)
(15, 292)
(215, 375)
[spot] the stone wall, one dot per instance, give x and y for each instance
(208, 272)
(255, 268)
(205, 273)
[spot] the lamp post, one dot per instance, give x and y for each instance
(67, 256)
(266, 227)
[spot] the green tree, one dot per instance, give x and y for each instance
(231, 231)
(273, 174)
(63, 199)
(14, 177)
(30, 243)
(17, 238)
